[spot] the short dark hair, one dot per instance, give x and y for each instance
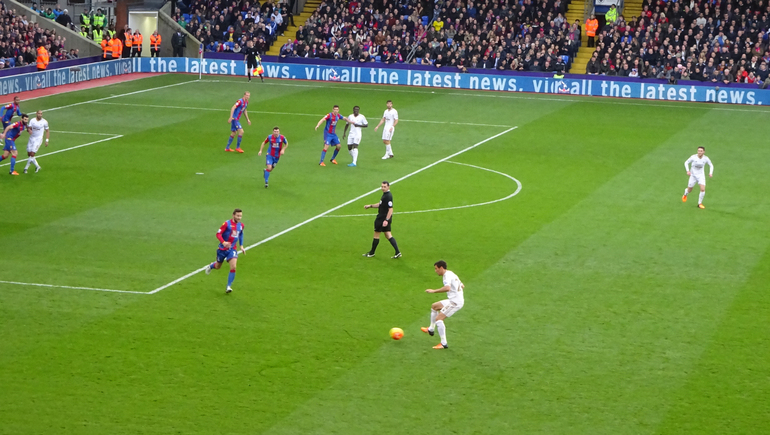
(440, 263)
(336, 107)
(356, 107)
(24, 115)
(386, 183)
(702, 148)
(237, 210)
(276, 128)
(389, 101)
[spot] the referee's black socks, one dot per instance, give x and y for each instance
(375, 242)
(392, 241)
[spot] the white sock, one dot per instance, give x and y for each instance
(34, 160)
(685, 191)
(700, 197)
(388, 150)
(441, 331)
(29, 160)
(355, 155)
(433, 314)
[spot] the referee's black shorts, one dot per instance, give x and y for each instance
(378, 225)
(251, 64)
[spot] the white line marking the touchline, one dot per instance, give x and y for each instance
(67, 149)
(210, 109)
(73, 287)
(518, 189)
(333, 209)
(82, 132)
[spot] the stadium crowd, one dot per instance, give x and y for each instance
(20, 40)
(708, 40)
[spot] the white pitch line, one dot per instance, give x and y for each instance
(307, 221)
(66, 149)
(72, 287)
(518, 189)
(292, 114)
(82, 132)
(118, 96)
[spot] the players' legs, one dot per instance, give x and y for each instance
(231, 276)
(435, 310)
(240, 137)
(336, 151)
(392, 241)
(702, 193)
(268, 169)
(14, 153)
(375, 242)
(30, 159)
(230, 140)
(388, 149)
(5, 155)
(323, 154)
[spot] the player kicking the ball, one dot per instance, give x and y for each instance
(230, 234)
(439, 311)
(697, 174)
(37, 127)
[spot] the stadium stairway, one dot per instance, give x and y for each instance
(632, 8)
(291, 31)
(575, 12)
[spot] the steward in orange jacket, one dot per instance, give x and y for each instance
(136, 48)
(155, 44)
(592, 25)
(42, 58)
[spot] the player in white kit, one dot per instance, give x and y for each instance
(439, 311)
(697, 174)
(354, 140)
(37, 127)
(390, 118)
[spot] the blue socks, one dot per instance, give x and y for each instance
(13, 162)
(336, 151)
(323, 156)
(238, 145)
(267, 175)
(229, 142)
(231, 278)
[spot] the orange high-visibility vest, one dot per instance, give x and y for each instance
(155, 42)
(591, 27)
(42, 58)
(117, 48)
(138, 41)
(106, 48)
(128, 39)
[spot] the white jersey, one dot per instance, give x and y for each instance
(361, 120)
(390, 116)
(37, 128)
(697, 165)
(455, 293)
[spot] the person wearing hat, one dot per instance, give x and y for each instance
(64, 18)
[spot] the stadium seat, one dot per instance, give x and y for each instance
(186, 17)
(425, 21)
(377, 58)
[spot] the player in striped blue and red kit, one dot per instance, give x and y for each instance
(278, 145)
(330, 133)
(10, 134)
(238, 109)
(10, 110)
(230, 235)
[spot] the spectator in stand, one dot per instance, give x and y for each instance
(178, 43)
(64, 19)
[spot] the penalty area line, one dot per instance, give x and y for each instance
(72, 287)
(333, 209)
(66, 149)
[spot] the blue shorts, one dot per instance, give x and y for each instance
(226, 255)
(331, 139)
(235, 125)
(10, 145)
(271, 160)
(6, 124)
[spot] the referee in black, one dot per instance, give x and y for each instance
(252, 59)
(383, 221)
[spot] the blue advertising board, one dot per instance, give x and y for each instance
(603, 86)
(64, 76)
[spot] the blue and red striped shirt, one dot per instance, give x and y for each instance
(9, 111)
(331, 123)
(240, 106)
(230, 231)
(276, 144)
(15, 131)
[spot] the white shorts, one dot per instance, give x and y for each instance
(387, 134)
(34, 144)
(354, 140)
(696, 179)
(449, 307)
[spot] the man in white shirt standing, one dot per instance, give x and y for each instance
(37, 127)
(390, 118)
(446, 308)
(697, 174)
(357, 122)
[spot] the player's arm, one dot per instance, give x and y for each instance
(371, 206)
(395, 123)
(47, 135)
(321, 121)
(378, 125)
(390, 214)
(711, 168)
(444, 289)
(240, 240)
(232, 110)
(2, 136)
(246, 112)
(261, 147)
(285, 145)
(687, 165)
(345, 132)
(363, 124)
(222, 229)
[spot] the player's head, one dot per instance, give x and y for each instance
(356, 109)
(701, 151)
(237, 214)
(389, 104)
(276, 131)
(246, 95)
(336, 109)
(385, 186)
(440, 267)
(16, 99)
(24, 118)
(39, 115)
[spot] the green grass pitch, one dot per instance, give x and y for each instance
(596, 301)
